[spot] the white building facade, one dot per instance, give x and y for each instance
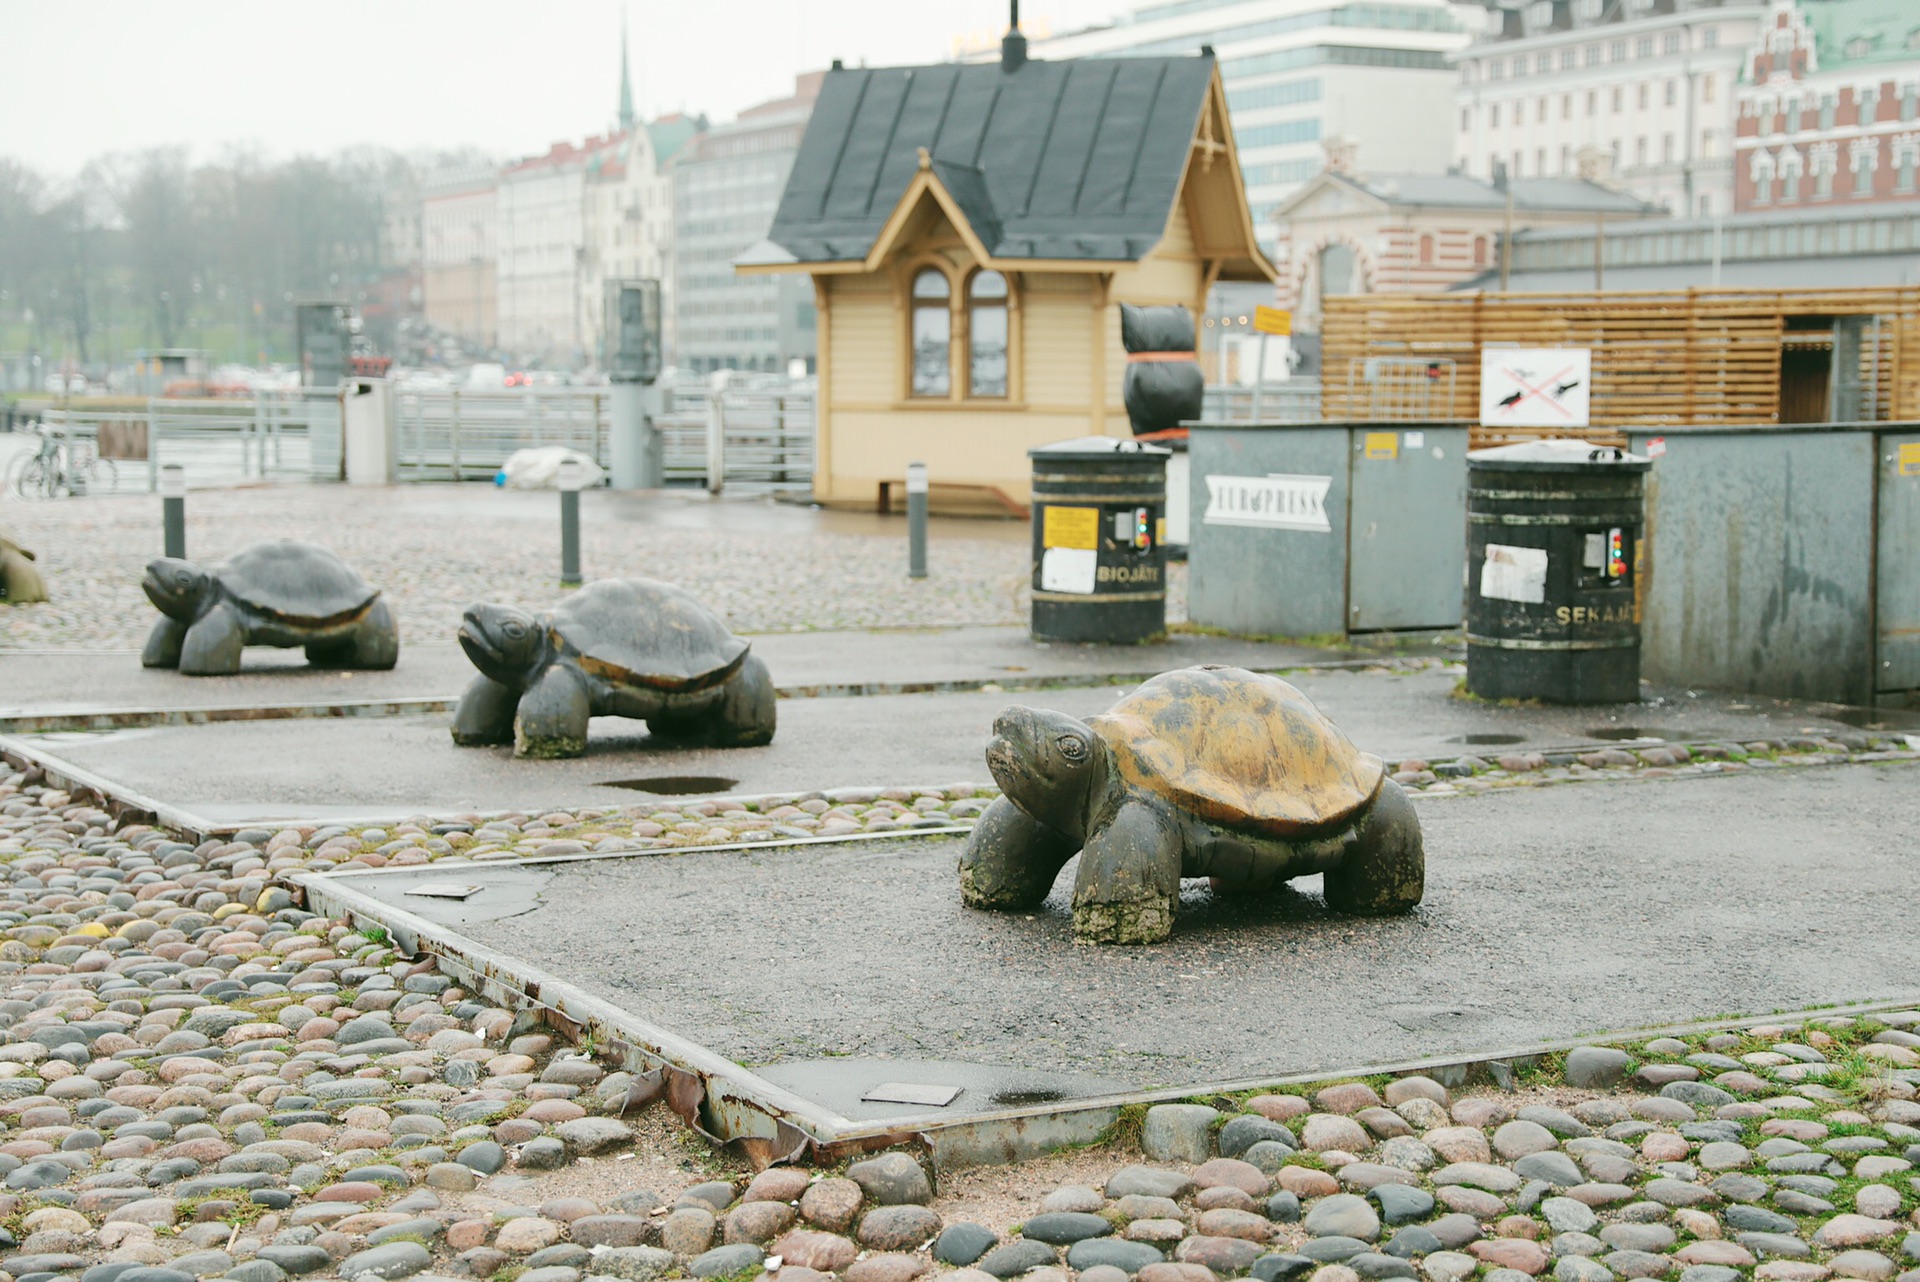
(629, 231)
(543, 253)
(458, 249)
(1301, 72)
(1638, 93)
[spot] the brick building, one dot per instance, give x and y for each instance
(1829, 105)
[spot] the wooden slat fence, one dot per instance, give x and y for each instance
(1695, 356)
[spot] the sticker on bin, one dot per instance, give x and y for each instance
(1657, 447)
(1069, 570)
(1070, 527)
(1383, 445)
(1414, 440)
(1514, 574)
(1910, 459)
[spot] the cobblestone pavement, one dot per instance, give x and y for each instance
(436, 549)
(199, 1079)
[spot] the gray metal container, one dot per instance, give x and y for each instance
(1785, 560)
(1317, 529)
(1553, 528)
(1099, 529)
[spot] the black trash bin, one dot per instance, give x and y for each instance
(1099, 566)
(1553, 531)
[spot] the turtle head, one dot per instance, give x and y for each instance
(506, 644)
(176, 587)
(1049, 765)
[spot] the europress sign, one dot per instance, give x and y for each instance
(1272, 502)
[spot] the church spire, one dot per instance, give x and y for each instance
(626, 77)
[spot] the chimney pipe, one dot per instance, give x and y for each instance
(1013, 47)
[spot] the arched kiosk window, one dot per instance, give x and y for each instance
(932, 334)
(987, 334)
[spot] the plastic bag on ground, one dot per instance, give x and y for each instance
(538, 468)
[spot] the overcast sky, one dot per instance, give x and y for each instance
(83, 77)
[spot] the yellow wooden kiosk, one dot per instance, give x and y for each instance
(971, 231)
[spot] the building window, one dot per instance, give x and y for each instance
(1827, 104)
(1909, 100)
(1906, 153)
(1710, 38)
(1762, 175)
(1617, 51)
(1540, 162)
(1616, 100)
(1568, 59)
(1566, 106)
(987, 334)
(1673, 92)
(1790, 176)
(1640, 151)
(1519, 66)
(1543, 63)
(1466, 119)
(1588, 10)
(1540, 110)
(1825, 160)
(1591, 56)
(1864, 157)
(1643, 97)
(932, 334)
(1643, 47)
(1706, 89)
(1670, 43)
(1869, 103)
(1493, 115)
(1479, 251)
(1666, 149)
(1593, 102)
(1426, 249)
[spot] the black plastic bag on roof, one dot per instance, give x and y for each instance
(1160, 394)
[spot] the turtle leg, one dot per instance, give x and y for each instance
(485, 714)
(163, 644)
(551, 718)
(745, 715)
(1011, 860)
(213, 644)
(1384, 869)
(373, 644)
(1129, 878)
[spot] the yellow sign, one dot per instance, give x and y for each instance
(1910, 459)
(1272, 320)
(1383, 445)
(1070, 527)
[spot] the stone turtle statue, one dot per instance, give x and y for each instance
(281, 593)
(616, 648)
(1205, 772)
(20, 582)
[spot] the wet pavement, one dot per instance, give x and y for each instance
(1549, 913)
(375, 768)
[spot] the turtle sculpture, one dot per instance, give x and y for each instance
(20, 583)
(616, 648)
(281, 593)
(1204, 772)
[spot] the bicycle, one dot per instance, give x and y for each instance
(60, 467)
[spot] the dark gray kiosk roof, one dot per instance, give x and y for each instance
(1049, 160)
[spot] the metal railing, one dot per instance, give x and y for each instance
(292, 434)
(763, 440)
(1400, 387)
(1297, 400)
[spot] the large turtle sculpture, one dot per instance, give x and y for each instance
(1205, 772)
(281, 593)
(616, 648)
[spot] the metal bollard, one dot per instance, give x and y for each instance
(173, 509)
(916, 520)
(571, 478)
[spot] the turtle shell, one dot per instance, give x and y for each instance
(296, 582)
(642, 632)
(1238, 749)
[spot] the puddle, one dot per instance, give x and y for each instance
(1488, 740)
(1618, 734)
(675, 785)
